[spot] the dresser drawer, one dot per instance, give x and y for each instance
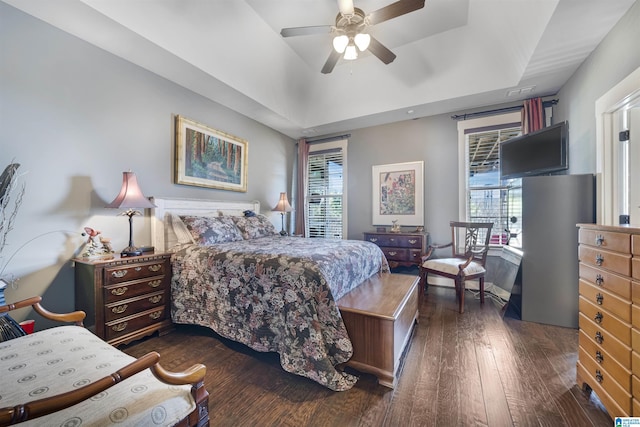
(604, 359)
(125, 273)
(612, 406)
(616, 348)
(607, 300)
(606, 280)
(120, 309)
(635, 244)
(605, 380)
(401, 241)
(131, 324)
(612, 261)
(606, 320)
(611, 240)
(122, 291)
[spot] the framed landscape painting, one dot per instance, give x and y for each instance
(398, 194)
(207, 157)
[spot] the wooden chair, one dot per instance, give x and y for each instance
(469, 248)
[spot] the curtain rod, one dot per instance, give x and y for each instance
(498, 111)
(329, 138)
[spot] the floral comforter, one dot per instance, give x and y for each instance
(277, 294)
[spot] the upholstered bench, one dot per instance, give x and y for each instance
(68, 376)
(379, 316)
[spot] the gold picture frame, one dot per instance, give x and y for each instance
(207, 157)
(398, 194)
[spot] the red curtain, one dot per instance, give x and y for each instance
(301, 190)
(532, 115)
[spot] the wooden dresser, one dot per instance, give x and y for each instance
(609, 318)
(400, 248)
(125, 298)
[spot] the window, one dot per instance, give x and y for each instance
(326, 198)
(484, 196)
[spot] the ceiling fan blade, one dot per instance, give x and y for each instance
(381, 51)
(305, 31)
(345, 7)
(331, 62)
(394, 10)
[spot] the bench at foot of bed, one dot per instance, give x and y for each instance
(379, 316)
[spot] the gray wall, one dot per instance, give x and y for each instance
(76, 117)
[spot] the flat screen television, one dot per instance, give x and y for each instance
(536, 153)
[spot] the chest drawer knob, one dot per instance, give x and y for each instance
(599, 338)
(599, 240)
(119, 327)
(155, 315)
(598, 317)
(119, 309)
(413, 241)
(393, 253)
(599, 259)
(155, 283)
(599, 376)
(599, 357)
(119, 274)
(599, 299)
(155, 299)
(155, 267)
(119, 291)
(599, 280)
(373, 239)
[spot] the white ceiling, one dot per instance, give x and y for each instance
(451, 55)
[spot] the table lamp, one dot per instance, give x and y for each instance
(130, 198)
(283, 207)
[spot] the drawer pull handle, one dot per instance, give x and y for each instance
(155, 315)
(599, 280)
(599, 376)
(599, 357)
(599, 240)
(393, 253)
(599, 259)
(155, 267)
(155, 299)
(119, 327)
(599, 338)
(599, 299)
(119, 274)
(413, 241)
(138, 268)
(598, 317)
(373, 239)
(155, 283)
(415, 255)
(392, 239)
(119, 291)
(119, 309)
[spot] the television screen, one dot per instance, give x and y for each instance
(536, 153)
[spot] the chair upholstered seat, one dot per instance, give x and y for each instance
(450, 265)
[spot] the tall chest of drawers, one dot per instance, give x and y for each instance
(125, 298)
(609, 319)
(400, 248)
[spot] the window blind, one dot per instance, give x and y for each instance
(325, 194)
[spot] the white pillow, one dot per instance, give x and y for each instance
(181, 231)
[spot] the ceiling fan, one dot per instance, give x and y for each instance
(351, 33)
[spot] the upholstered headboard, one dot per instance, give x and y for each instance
(161, 233)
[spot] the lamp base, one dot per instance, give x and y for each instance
(130, 251)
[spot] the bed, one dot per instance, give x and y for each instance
(68, 376)
(272, 293)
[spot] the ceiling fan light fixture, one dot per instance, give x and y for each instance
(350, 52)
(340, 43)
(362, 40)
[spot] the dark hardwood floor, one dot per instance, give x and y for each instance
(474, 369)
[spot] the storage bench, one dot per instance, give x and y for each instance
(379, 316)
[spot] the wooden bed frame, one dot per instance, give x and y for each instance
(38, 408)
(379, 314)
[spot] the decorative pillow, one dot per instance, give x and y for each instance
(183, 235)
(207, 230)
(253, 227)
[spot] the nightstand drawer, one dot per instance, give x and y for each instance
(132, 324)
(122, 291)
(126, 273)
(131, 306)
(611, 240)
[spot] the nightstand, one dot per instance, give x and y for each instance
(125, 298)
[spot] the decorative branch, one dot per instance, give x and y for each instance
(8, 210)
